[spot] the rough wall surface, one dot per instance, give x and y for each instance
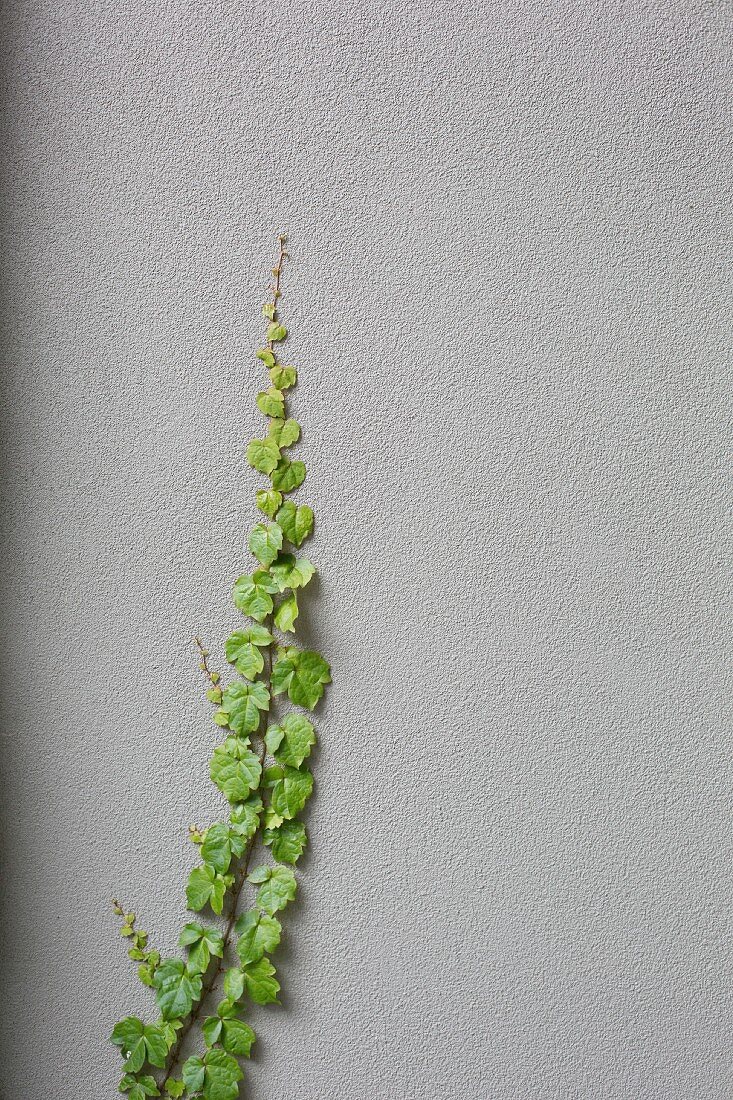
(507, 303)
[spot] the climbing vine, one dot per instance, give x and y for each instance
(260, 768)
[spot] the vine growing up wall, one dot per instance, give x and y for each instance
(200, 1036)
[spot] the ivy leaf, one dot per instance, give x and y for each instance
(263, 454)
(140, 1043)
(268, 501)
(211, 1029)
(139, 1087)
(265, 541)
(176, 988)
(287, 613)
(266, 356)
(206, 886)
(288, 841)
(175, 1088)
(290, 794)
(242, 702)
(202, 943)
(258, 933)
(235, 769)
(272, 403)
(283, 377)
(302, 673)
(284, 432)
(242, 650)
(276, 332)
(291, 572)
(299, 736)
(288, 475)
(237, 1037)
(253, 594)
(234, 983)
(260, 982)
(277, 889)
(216, 849)
(296, 521)
(268, 311)
(245, 817)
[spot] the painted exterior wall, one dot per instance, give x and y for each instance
(508, 308)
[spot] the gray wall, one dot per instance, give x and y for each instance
(507, 303)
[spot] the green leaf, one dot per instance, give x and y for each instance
(265, 541)
(263, 454)
(299, 736)
(235, 769)
(206, 886)
(277, 890)
(237, 1037)
(296, 521)
(174, 1087)
(242, 650)
(268, 501)
(243, 702)
(266, 356)
(283, 377)
(288, 475)
(176, 989)
(258, 933)
(268, 311)
(245, 817)
(276, 332)
(284, 432)
(234, 983)
(139, 1087)
(260, 982)
(216, 849)
(291, 793)
(287, 613)
(211, 1030)
(140, 1043)
(288, 841)
(253, 594)
(193, 1073)
(291, 572)
(302, 673)
(271, 402)
(202, 943)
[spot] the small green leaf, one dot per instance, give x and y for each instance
(235, 769)
(283, 377)
(290, 572)
(261, 984)
(296, 521)
(216, 849)
(288, 841)
(302, 673)
(277, 891)
(175, 1087)
(237, 1037)
(258, 933)
(193, 1073)
(205, 886)
(211, 1030)
(139, 1087)
(268, 501)
(299, 736)
(263, 455)
(259, 874)
(234, 983)
(253, 594)
(202, 943)
(288, 475)
(287, 613)
(268, 311)
(243, 650)
(266, 356)
(271, 403)
(176, 989)
(284, 432)
(291, 793)
(243, 702)
(265, 541)
(276, 332)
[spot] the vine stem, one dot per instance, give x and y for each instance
(215, 681)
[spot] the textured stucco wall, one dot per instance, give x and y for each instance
(508, 307)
